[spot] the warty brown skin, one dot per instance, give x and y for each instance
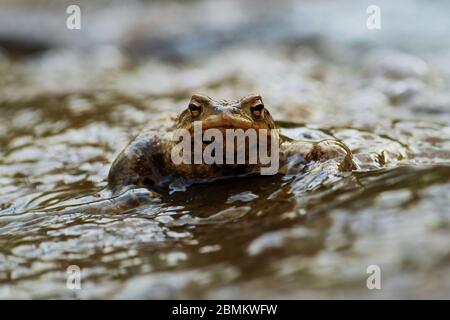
(146, 161)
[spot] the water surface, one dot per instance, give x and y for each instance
(66, 114)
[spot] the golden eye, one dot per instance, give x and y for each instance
(257, 109)
(195, 110)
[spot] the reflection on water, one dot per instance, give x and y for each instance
(65, 115)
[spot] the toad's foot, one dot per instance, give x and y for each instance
(332, 149)
(333, 154)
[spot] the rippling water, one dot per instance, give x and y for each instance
(65, 115)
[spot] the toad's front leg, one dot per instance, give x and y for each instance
(140, 163)
(334, 154)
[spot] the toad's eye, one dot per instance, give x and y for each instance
(195, 110)
(257, 109)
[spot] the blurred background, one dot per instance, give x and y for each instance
(70, 100)
(164, 47)
(183, 28)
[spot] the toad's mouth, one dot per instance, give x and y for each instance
(223, 122)
(229, 127)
